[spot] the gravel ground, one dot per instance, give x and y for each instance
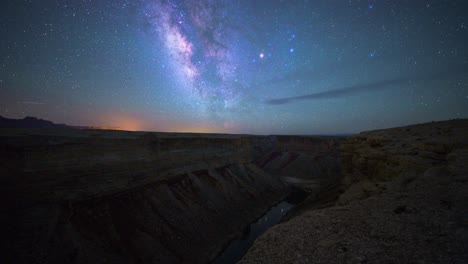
(423, 220)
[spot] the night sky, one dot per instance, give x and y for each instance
(261, 67)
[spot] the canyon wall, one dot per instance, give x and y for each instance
(380, 159)
(71, 196)
(311, 163)
(402, 198)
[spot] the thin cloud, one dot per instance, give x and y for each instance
(369, 87)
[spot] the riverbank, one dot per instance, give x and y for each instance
(237, 248)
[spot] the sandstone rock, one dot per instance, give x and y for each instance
(358, 191)
(413, 181)
(117, 197)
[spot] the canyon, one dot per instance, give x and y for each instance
(98, 196)
(402, 198)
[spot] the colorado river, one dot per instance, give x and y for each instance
(238, 247)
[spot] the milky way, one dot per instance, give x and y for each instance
(198, 44)
(264, 67)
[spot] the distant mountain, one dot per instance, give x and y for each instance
(29, 122)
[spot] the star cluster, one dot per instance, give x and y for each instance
(263, 67)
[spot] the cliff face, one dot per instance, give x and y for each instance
(310, 163)
(385, 196)
(119, 197)
(393, 156)
(403, 200)
(187, 219)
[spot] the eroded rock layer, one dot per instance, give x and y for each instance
(117, 197)
(310, 163)
(404, 200)
(386, 196)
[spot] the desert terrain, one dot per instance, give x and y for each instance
(96, 196)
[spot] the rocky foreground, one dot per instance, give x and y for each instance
(403, 199)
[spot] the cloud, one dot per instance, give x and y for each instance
(369, 87)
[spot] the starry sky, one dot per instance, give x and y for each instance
(235, 66)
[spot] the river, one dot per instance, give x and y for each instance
(239, 247)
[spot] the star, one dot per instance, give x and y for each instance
(211, 63)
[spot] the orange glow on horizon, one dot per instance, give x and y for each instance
(134, 122)
(128, 123)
